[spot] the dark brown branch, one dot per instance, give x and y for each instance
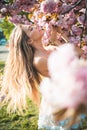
(85, 17)
(73, 6)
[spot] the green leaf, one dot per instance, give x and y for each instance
(6, 27)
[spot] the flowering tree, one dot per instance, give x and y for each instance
(66, 17)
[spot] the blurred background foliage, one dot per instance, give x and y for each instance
(6, 27)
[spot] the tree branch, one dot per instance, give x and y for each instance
(73, 6)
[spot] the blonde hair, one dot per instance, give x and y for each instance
(20, 77)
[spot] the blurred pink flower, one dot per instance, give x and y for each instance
(48, 6)
(67, 85)
(76, 30)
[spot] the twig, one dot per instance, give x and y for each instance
(73, 6)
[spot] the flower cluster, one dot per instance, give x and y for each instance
(67, 86)
(68, 16)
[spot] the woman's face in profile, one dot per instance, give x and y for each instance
(33, 32)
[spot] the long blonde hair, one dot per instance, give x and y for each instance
(20, 77)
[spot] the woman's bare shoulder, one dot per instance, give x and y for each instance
(40, 63)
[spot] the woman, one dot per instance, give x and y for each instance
(27, 61)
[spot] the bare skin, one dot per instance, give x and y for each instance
(41, 56)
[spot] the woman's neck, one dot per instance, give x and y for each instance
(38, 45)
(44, 49)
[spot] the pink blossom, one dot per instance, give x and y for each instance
(81, 77)
(75, 40)
(48, 6)
(82, 20)
(76, 30)
(85, 39)
(67, 85)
